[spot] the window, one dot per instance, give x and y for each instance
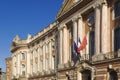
(23, 56)
(117, 39)
(86, 75)
(92, 42)
(113, 75)
(91, 19)
(117, 9)
(91, 22)
(23, 73)
(23, 67)
(23, 70)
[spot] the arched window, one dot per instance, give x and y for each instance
(23, 56)
(113, 75)
(117, 39)
(117, 9)
(86, 75)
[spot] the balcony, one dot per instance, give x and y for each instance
(106, 56)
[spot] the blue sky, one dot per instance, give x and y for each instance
(23, 17)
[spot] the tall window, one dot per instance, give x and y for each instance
(23, 56)
(23, 70)
(86, 75)
(91, 22)
(117, 39)
(117, 9)
(113, 75)
(92, 42)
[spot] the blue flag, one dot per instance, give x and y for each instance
(75, 46)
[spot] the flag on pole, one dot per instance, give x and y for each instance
(79, 43)
(83, 44)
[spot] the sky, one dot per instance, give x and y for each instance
(23, 17)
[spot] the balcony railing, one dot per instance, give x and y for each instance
(106, 56)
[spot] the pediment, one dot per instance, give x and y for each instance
(67, 4)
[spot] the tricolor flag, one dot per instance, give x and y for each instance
(83, 44)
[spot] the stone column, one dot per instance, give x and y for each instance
(65, 44)
(79, 75)
(38, 58)
(105, 38)
(60, 49)
(75, 30)
(18, 64)
(44, 57)
(80, 28)
(97, 29)
(50, 57)
(40, 64)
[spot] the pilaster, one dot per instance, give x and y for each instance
(75, 29)
(105, 37)
(65, 44)
(80, 27)
(60, 49)
(97, 29)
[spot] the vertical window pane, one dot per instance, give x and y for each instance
(92, 42)
(117, 9)
(117, 39)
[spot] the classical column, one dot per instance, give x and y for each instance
(50, 55)
(33, 61)
(38, 58)
(75, 30)
(105, 29)
(41, 51)
(65, 44)
(44, 57)
(80, 28)
(60, 49)
(79, 75)
(97, 29)
(18, 63)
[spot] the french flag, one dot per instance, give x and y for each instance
(82, 45)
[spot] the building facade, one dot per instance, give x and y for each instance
(9, 68)
(51, 54)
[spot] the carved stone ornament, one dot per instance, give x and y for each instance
(85, 66)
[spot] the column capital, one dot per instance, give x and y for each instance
(59, 28)
(104, 2)
(64, 26)
(74, 19)
(79, 16)
(97, 4)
